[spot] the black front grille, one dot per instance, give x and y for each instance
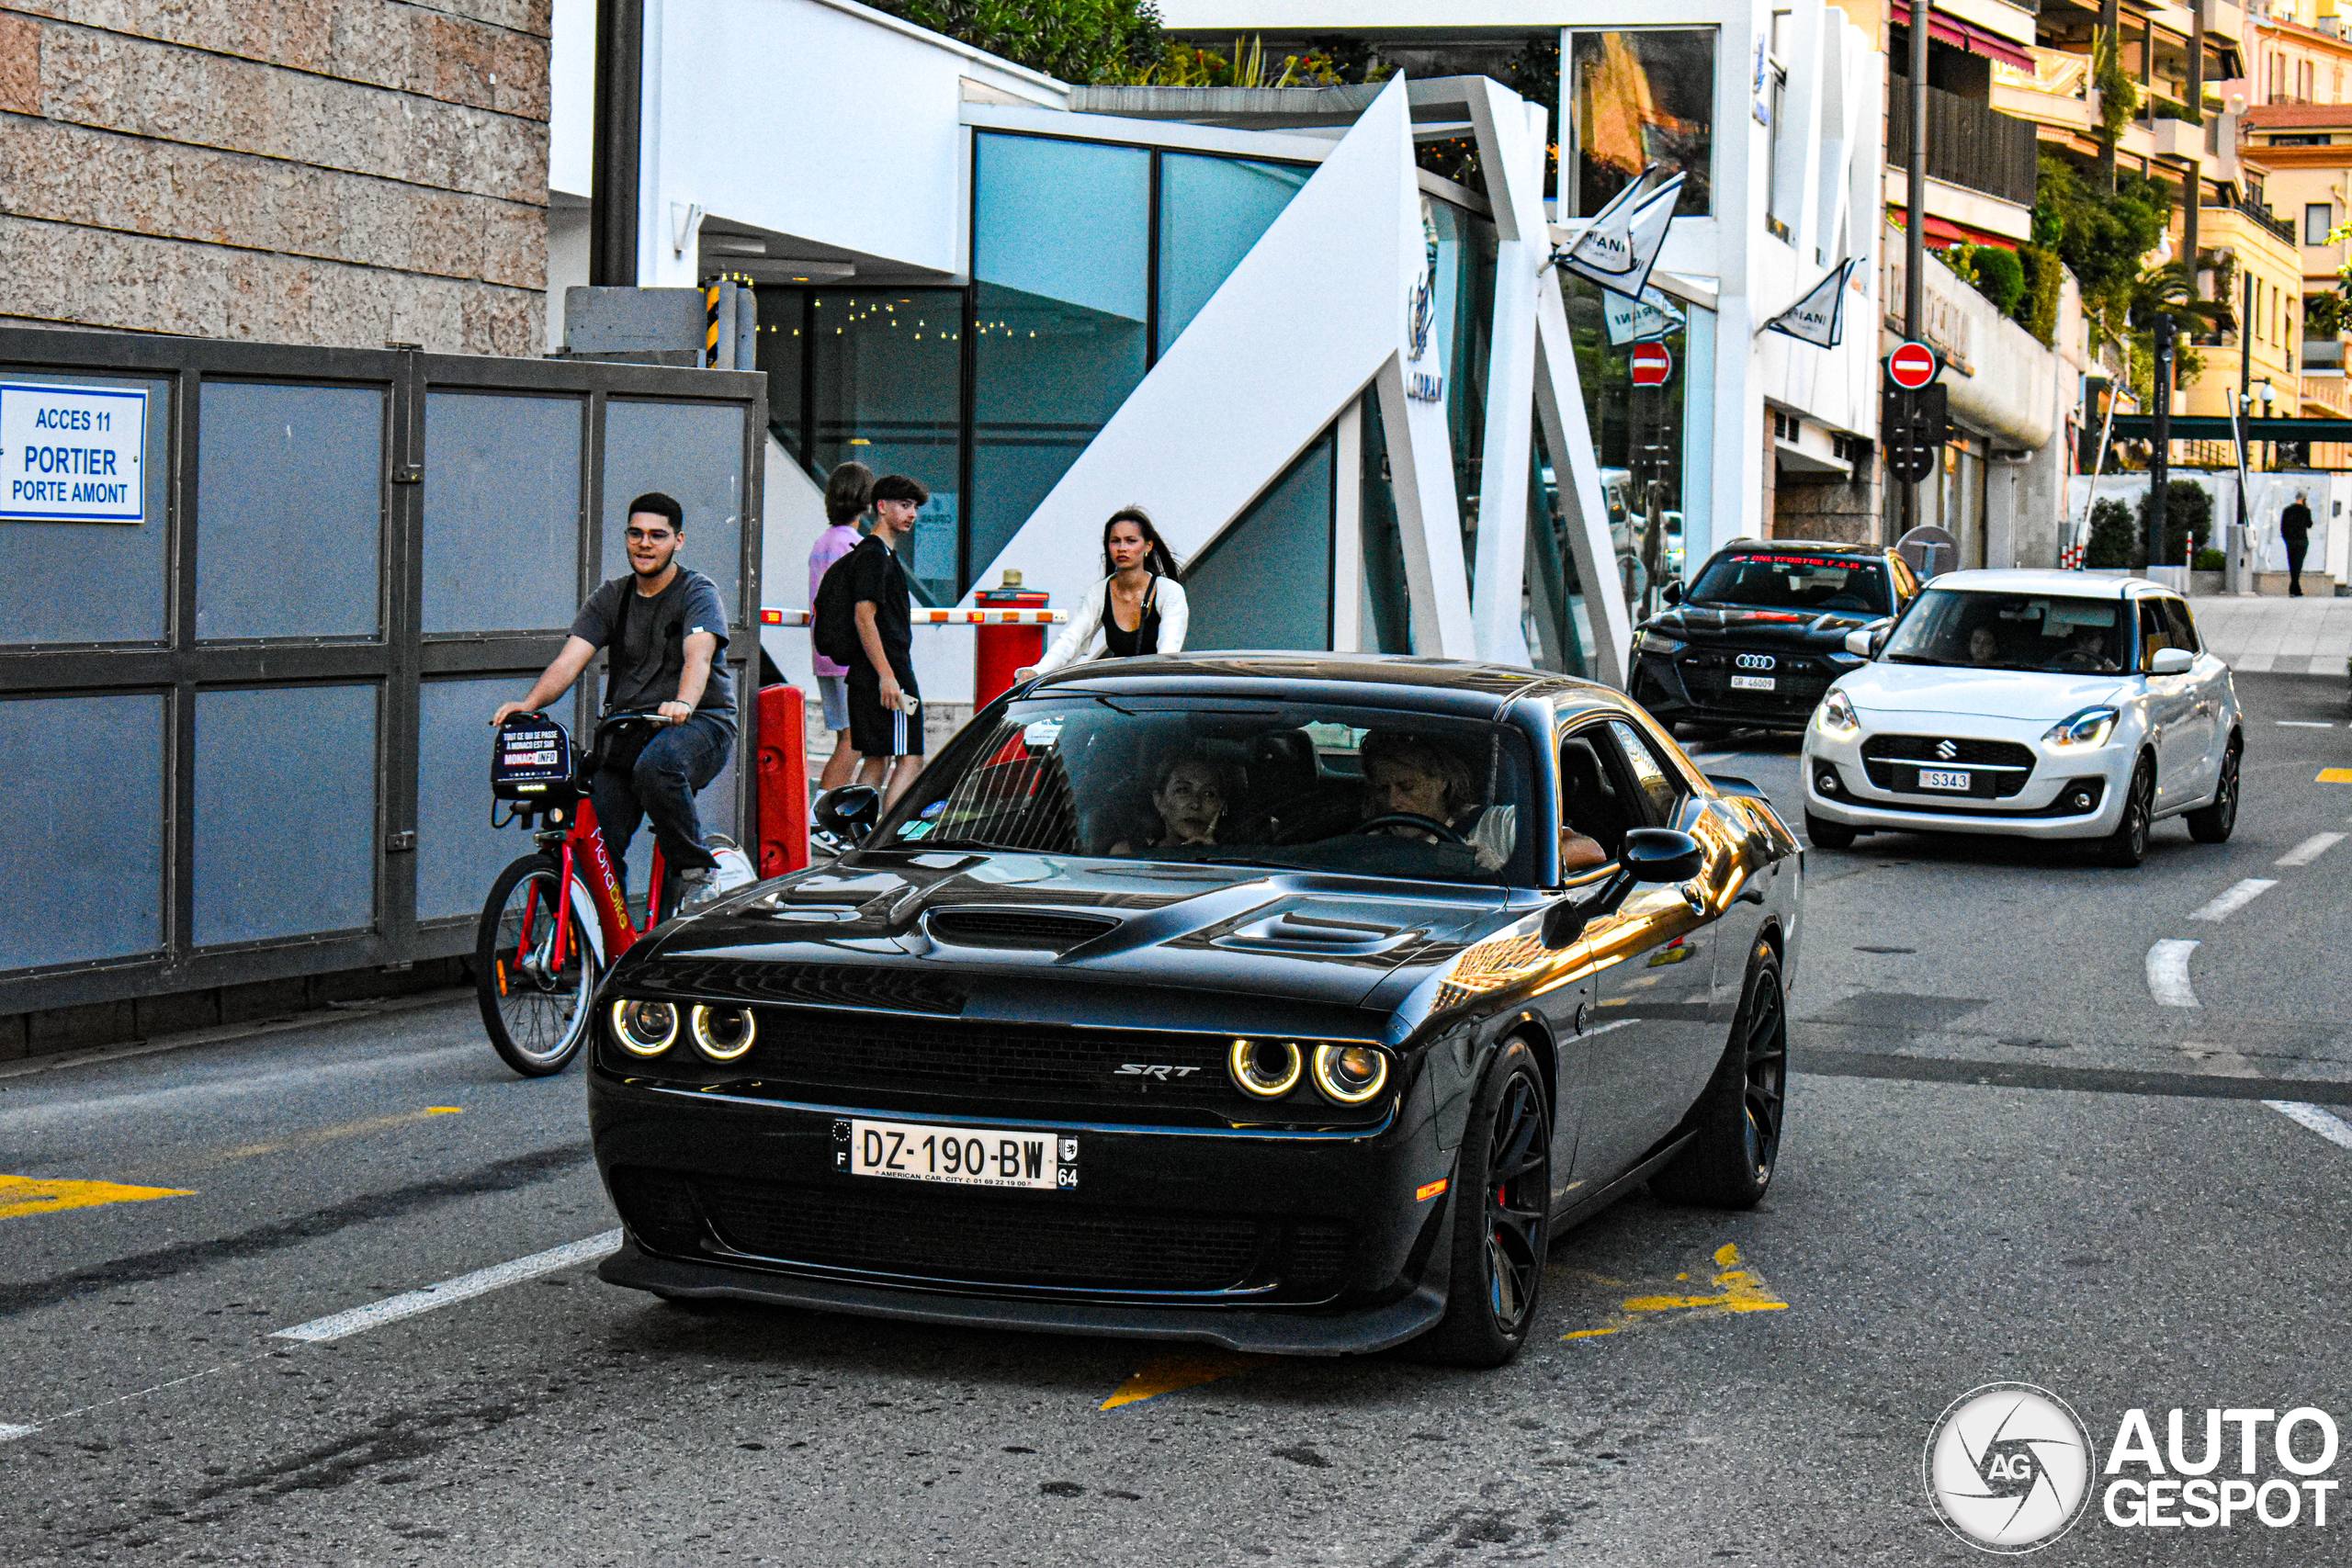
(1030, 1063)
(1015, 929)
(1929, 749)
(927, 1232)
(1798, 679)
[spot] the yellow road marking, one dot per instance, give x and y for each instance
(37, 1195)
(2334, 775)
(1184, 1369)
(1736, 1288)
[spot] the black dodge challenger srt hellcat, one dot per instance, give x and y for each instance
(1283, 1002)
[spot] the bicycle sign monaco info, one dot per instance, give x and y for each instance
(71, 454)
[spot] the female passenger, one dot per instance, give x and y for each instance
(1137, 608)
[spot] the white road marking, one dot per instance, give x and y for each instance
(2334, 1128)
(2303, 723)
(2310, 849)
(10, 1434)
(2168, 973)
(391, 1309)
(2236, 899)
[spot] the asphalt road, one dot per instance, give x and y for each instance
(2007, 1159)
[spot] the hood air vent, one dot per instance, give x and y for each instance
(1017, 929)
(1289, 932)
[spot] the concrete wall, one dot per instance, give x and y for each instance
(342, 172)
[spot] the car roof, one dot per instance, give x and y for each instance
(1453, 685)
(2074, 585)
(1827, 547)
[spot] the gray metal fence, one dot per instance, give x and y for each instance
(249, 648)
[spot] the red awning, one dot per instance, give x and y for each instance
(1965, 35)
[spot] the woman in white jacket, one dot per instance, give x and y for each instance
(1137, 608)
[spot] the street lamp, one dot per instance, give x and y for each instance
(2263, 390)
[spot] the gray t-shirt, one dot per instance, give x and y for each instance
(647, 639)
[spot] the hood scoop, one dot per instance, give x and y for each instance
(1288, 932)
(1028, 930)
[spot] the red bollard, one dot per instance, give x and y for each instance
(1003, 649)
(781, 780)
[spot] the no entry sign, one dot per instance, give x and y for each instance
(1912, 365)
(1653, 362)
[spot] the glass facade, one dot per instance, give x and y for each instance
(1212, 210)
(1266, 580)
(1465, 246)
(1387, 609)
(1639, 98)
(1559, 635)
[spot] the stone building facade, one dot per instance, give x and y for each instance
(332, 172)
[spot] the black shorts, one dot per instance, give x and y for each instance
(875, 730)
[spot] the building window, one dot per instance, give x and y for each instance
(1061, 241)
(1212, 210)
(1462, 246)
(1266, 580)
(2319, 217)
(1641, 98)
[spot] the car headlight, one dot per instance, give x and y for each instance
(722, 1033)
(645, 1028)
(1265, 1069)
(2090, 728)
(1648, 641)
(1350, 1075)
(1835, 716)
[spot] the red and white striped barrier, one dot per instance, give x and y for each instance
(774, 617)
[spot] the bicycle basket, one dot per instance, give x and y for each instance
(533, 758)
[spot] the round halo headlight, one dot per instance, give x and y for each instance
(645, 1028)
(1265, 1069)
(723, 1033)
(1350, 1074)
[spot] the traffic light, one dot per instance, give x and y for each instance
(1913, 428)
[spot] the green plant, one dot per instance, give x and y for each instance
(2209, 560)
(1077, 41)
(2118, 95)
(2164, 108)
(2000, 277)
(2113, 538)
(2189, 518)
(2036, 307)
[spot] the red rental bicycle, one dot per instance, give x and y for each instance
(558, 919)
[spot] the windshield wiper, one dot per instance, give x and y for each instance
(1919, 659)
(944, 844)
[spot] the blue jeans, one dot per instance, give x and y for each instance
(675, 765)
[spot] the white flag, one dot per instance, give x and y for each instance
(1632, 321)
(1820, 317)
(1620, 245)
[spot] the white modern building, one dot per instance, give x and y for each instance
(1315, 331)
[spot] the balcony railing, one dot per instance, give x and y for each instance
(1968, 144)
(2263, 216)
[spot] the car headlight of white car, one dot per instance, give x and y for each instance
(2082, 730)
(1835, 716)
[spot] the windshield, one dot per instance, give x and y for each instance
(2013, 631)
(1823, 584)
(1298, 785)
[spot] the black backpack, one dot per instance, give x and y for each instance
(833, 618)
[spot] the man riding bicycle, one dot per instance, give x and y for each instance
(664, 627)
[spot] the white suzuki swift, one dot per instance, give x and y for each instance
(2047, 705)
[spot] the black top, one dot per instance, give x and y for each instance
(647, 638)
(1145, 639)
(2295, 522)
(876, 578)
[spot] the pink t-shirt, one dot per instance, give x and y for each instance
(831, 545)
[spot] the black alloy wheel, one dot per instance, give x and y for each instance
(2213, 823)
(2127, 845)
(1728, 1163)
(1502, 1224)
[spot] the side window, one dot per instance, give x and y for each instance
(2155, 628)
(1592, 801)
(1905, 586)
(1657, 791)
(2184, 629)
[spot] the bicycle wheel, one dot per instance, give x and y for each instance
(536, 1011)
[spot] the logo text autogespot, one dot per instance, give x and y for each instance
(2175, 1488)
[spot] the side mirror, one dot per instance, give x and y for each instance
(1672, 591)
(1648, 854)
(849, 811)
(2172, 661)
(1861, 641)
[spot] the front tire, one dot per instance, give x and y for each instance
(2215, 823)
(534, 1012)
(2127, 845)
(1502, 1219)
(1729, 1163)
(1827, 835)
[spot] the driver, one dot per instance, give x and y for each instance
(1983, 646)
(1408, 775)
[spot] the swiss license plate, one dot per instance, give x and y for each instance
(960, 1156)
(1751, 683)
(1936, 778)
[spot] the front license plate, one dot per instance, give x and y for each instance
(1933, 778)
(960, 1156)
(1752, 683)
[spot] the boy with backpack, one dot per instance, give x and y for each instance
(864, 620)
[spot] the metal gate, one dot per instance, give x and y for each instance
(249, 648)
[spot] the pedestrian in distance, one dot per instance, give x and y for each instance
(1137, 608)
(885, 704)
(662, 626)
(848, 493)
(2295, 531)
